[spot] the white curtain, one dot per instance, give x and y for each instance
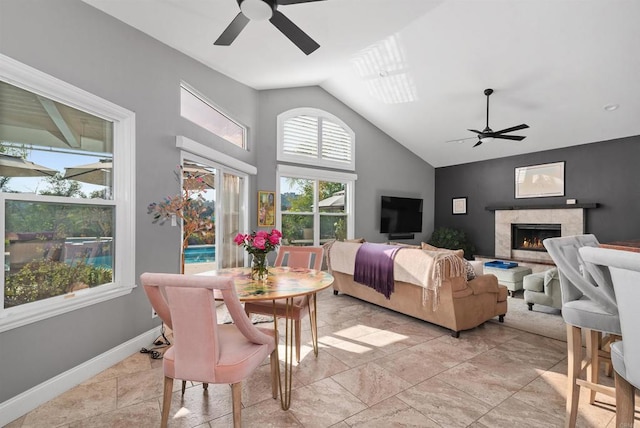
(232, 254)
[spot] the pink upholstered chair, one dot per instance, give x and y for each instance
(300, 257)
(159, 304)
(203, 350)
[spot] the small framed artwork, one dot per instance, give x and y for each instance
(266, 209)
(459, 205)
(539, 181)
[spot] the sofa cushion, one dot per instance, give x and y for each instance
(484, 284)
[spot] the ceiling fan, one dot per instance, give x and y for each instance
(487, 134)
(259, 10)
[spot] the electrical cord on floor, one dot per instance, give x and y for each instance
(158, 344)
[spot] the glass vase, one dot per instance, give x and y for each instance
(259, 267)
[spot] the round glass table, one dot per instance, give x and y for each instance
(282, 283)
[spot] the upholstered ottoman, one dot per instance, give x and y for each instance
(510, 278)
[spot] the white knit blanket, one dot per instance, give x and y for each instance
(424, 268)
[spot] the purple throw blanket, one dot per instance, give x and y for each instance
(374, 267)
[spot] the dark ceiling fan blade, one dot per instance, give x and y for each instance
(286, 2)
(510, 137)
(474, 130)
(294, 33)
(513, 128)
(478, 143)
(231, 32)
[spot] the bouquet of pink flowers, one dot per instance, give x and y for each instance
(259, 244)
(260, 241)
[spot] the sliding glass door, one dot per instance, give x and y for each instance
(223, 203)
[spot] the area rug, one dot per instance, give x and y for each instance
(223, 314)
(542, 320)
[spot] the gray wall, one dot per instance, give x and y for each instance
(74, 42)
(383, 166)
(606, 173)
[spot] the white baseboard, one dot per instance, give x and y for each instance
(25, 402)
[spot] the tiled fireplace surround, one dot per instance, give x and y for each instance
(571, 221)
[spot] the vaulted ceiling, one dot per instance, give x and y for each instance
(417, 69)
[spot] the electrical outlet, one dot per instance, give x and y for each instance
(174, 222)
(154, 314)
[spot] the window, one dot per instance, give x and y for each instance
(315, 137)
(66, 197)
(315, 205)
(204, 113)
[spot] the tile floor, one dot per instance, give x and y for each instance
(376, 368)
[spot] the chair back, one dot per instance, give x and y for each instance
(300, 257)
(158, 303)
(575, 279)
(190, 299)
(624, 268)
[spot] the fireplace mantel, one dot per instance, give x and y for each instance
(540, 207)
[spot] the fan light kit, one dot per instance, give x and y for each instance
(487, 134)
(260, 10)
(256, 10)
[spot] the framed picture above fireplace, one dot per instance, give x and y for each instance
(539, 181)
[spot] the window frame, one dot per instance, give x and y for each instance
(319, 160)
(33, 80)
(317, 175)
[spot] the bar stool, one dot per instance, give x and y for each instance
(586, 304)
(624, 269)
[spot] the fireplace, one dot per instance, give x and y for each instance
(570, 220)
(530, 236)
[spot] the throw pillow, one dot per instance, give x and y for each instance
(471, 272)
(402, 244)
(425, 246)
(356, 240)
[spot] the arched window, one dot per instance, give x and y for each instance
(315, 204)
(314, 137)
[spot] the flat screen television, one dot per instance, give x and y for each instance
(400, 215)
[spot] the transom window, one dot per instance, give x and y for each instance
(315, 137)
(66, 198)
(199, 110)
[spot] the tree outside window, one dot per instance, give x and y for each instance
(313, 211)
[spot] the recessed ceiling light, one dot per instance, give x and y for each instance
(611, 107)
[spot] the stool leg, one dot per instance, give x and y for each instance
(625, 402)
(574, 356)
(594, 340)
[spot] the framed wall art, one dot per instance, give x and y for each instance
(539, 181)
(459, 205)
(266, 209)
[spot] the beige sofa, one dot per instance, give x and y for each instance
(462, 304)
